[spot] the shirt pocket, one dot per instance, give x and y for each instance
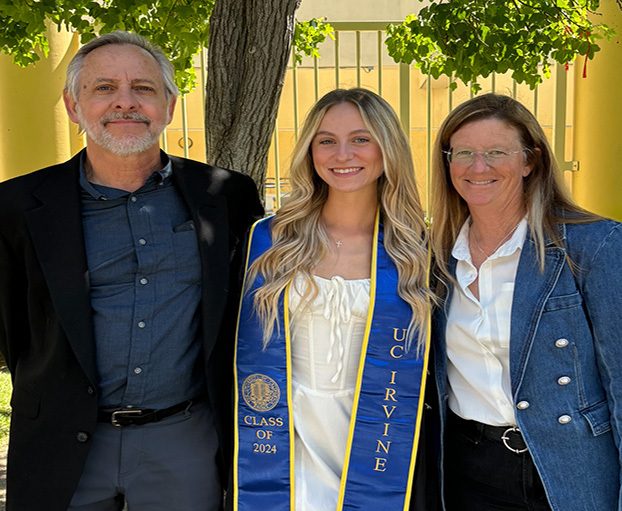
(598, 417)
(186, 226)
(563, 302)
(186, 249)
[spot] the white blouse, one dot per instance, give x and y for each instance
(326, 346)
(478, 332)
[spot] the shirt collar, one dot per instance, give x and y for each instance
(100, 192)
(461, 250)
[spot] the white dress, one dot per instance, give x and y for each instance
(326, 347)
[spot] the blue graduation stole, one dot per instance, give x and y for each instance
(386, 414)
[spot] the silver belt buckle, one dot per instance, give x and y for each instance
(120, 414)
(506, 440)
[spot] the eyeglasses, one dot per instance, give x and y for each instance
(492, 157)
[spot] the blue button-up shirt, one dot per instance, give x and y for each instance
(145, 289)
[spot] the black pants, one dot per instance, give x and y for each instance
(482, 474)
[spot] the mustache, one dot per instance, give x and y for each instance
(125, 116)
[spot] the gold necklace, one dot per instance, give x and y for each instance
(503, 240)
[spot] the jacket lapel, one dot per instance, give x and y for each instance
(439, 337)
(56, 231)
(209, 211)
(531, 291)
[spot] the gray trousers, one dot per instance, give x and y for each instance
(162, 466)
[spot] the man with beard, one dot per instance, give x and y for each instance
(118, 274)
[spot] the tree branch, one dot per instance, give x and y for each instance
(168, 15)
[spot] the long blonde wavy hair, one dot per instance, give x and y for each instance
(299, 239)
(545, 196)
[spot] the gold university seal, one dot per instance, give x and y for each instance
(260, 392)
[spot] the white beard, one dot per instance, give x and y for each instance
(124, 145)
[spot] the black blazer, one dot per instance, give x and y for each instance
(46, 331)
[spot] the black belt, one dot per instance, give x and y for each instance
(510, 436)
(130, 416)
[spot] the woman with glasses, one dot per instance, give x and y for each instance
(528, 341)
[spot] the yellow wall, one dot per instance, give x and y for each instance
(195, 114)
(34, 128)
(598, 113)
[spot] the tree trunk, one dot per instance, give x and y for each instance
(249, 47)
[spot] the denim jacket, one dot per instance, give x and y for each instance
(566, 365)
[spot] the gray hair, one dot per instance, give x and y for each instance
(72, 87)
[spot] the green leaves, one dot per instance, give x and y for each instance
(179, 27)
(468, 39)
(463, 39)
(308, 35)
(20, 31)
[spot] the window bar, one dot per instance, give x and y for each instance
(358, 58)
(428, 121)
(380, 62)
(184, 125)
(337, 59)
(295, 90)
(404, 87)
(316, 78)
(277, 167)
